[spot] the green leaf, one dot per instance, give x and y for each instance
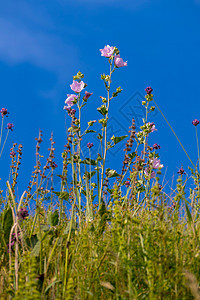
(89, 161)
(89, 174)
(89, 130)
(52, 284)
(132, 155)
(31, 242)
(62, 195)
(103, 110)
(188, 213)
(44, 227)
(117, 139)
(54, 218)
(111, 173)
(7, 224)
(36, 249)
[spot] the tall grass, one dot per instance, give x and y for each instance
(105, 234)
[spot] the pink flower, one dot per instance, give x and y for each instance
(107, 51)
(119, 62)
(152, 126)
(153, 174)
(156, 163)
(87, 95)
(77, 86)
(69, 100)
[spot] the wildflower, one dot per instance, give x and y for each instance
(148, 90)
(90, 145)
(152, 126)
(4, 112)
(156, 163)
(77, 86)
(70, 100)
(146, 172)
(181, 171)
(10, 126)
(127, 183)
(87, 95)
(107, 51)
(156, 146)
(195, 122)
(119, 62)
(22, 213)
(12, 153)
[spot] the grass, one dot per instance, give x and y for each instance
(104, 234)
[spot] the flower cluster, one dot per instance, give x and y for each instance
(4, 112)
(22, 213)
(195, 122)
(149, 90)
(90, 145)
(155, 164)
(181, 171)
(156, 146)
(109, 52)
(10, 126)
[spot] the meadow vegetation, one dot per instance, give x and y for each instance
(105, 234)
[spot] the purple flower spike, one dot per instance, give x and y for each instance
(10, 126)
(148, 90)
(90, 145)
(4, 112)
(195, 122)
(22, 213)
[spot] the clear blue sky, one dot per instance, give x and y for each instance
(44, 43)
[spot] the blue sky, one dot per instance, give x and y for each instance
(44, 43)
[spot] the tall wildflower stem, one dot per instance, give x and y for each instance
(174, 134)
(197, 146)
(1, 129)
(4, 142)
(105, 131)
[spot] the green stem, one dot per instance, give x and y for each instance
(1, 130)
(4, 142)
(197, 146)
(105, 136)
